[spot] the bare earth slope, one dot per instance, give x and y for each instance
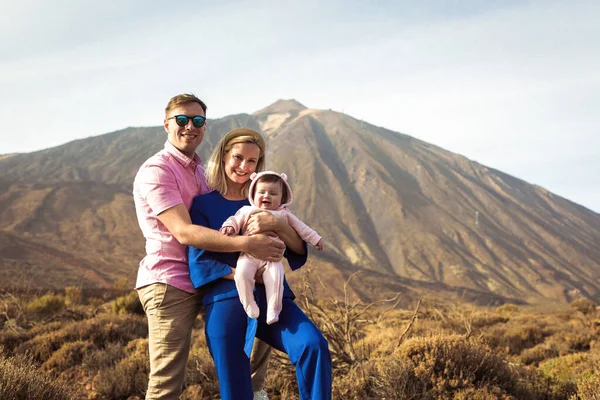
(414, 216)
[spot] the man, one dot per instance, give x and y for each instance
(163, 190)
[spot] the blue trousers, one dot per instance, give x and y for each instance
(294, 334)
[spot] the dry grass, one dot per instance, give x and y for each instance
(20, 379)
(73, 348)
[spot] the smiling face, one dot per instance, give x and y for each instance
(239, 162)
(267, 195)
(185, 138)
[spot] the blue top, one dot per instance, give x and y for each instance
(208, 267)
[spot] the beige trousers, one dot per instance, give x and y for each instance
(171, 314)
(259, 360)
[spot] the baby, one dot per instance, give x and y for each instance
(269, 191)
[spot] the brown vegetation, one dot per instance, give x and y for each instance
(19, 380)
(63, 345)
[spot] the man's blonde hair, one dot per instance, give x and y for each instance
(215, 171)
(182, 99)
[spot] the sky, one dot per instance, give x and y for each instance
(514, 85)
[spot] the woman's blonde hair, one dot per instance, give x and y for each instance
(215, 172)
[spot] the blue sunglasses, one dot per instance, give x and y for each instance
(182, 120)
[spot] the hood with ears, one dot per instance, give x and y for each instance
(254, 178)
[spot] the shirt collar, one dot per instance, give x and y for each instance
(180, 157)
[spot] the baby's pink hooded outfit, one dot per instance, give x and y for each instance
(247, 265)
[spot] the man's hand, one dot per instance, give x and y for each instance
(227, 230)
(263, 222)
(264, 248)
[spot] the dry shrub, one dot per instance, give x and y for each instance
(481, 394)
(507, 309)
(513, 339)
(40, 348)
(11, 306)
(99, 331)
(129, 377)
(200, 368)
(381, 340)
(12, 315)
(450, 364)
(102, 358)
(519, 338)
(281, 377)
(197, 392)
(122, 284)
(45, 305)
(71, 354)
(128, 304)
(108, 329)
(562, 372)
(123, 373)
(588, 387)
(12, 339)
(454, 318)
(9, 340)
(73, 295)
(21, 380)
(574, 341)
(428, 327)
(588, 383)
(46, 328)
(464, 318)
(342, 322)
(487, 319)
(584, 306)
(105, 354)
(562, 333)
(390, 377)
(94, 302)
(537, 354)
(442, 367)
(566, 368)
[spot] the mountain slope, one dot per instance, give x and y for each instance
(410, 214)
(431, 215)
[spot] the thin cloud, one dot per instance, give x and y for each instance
(512, 85)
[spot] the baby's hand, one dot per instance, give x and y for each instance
(227, 230)
(320, 245)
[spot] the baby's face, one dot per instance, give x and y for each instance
(268, 195)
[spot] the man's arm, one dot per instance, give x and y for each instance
(177, 220)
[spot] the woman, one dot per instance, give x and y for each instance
(229, 332)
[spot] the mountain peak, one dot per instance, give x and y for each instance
(282, 106)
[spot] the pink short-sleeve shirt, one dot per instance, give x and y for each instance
(165, 180)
